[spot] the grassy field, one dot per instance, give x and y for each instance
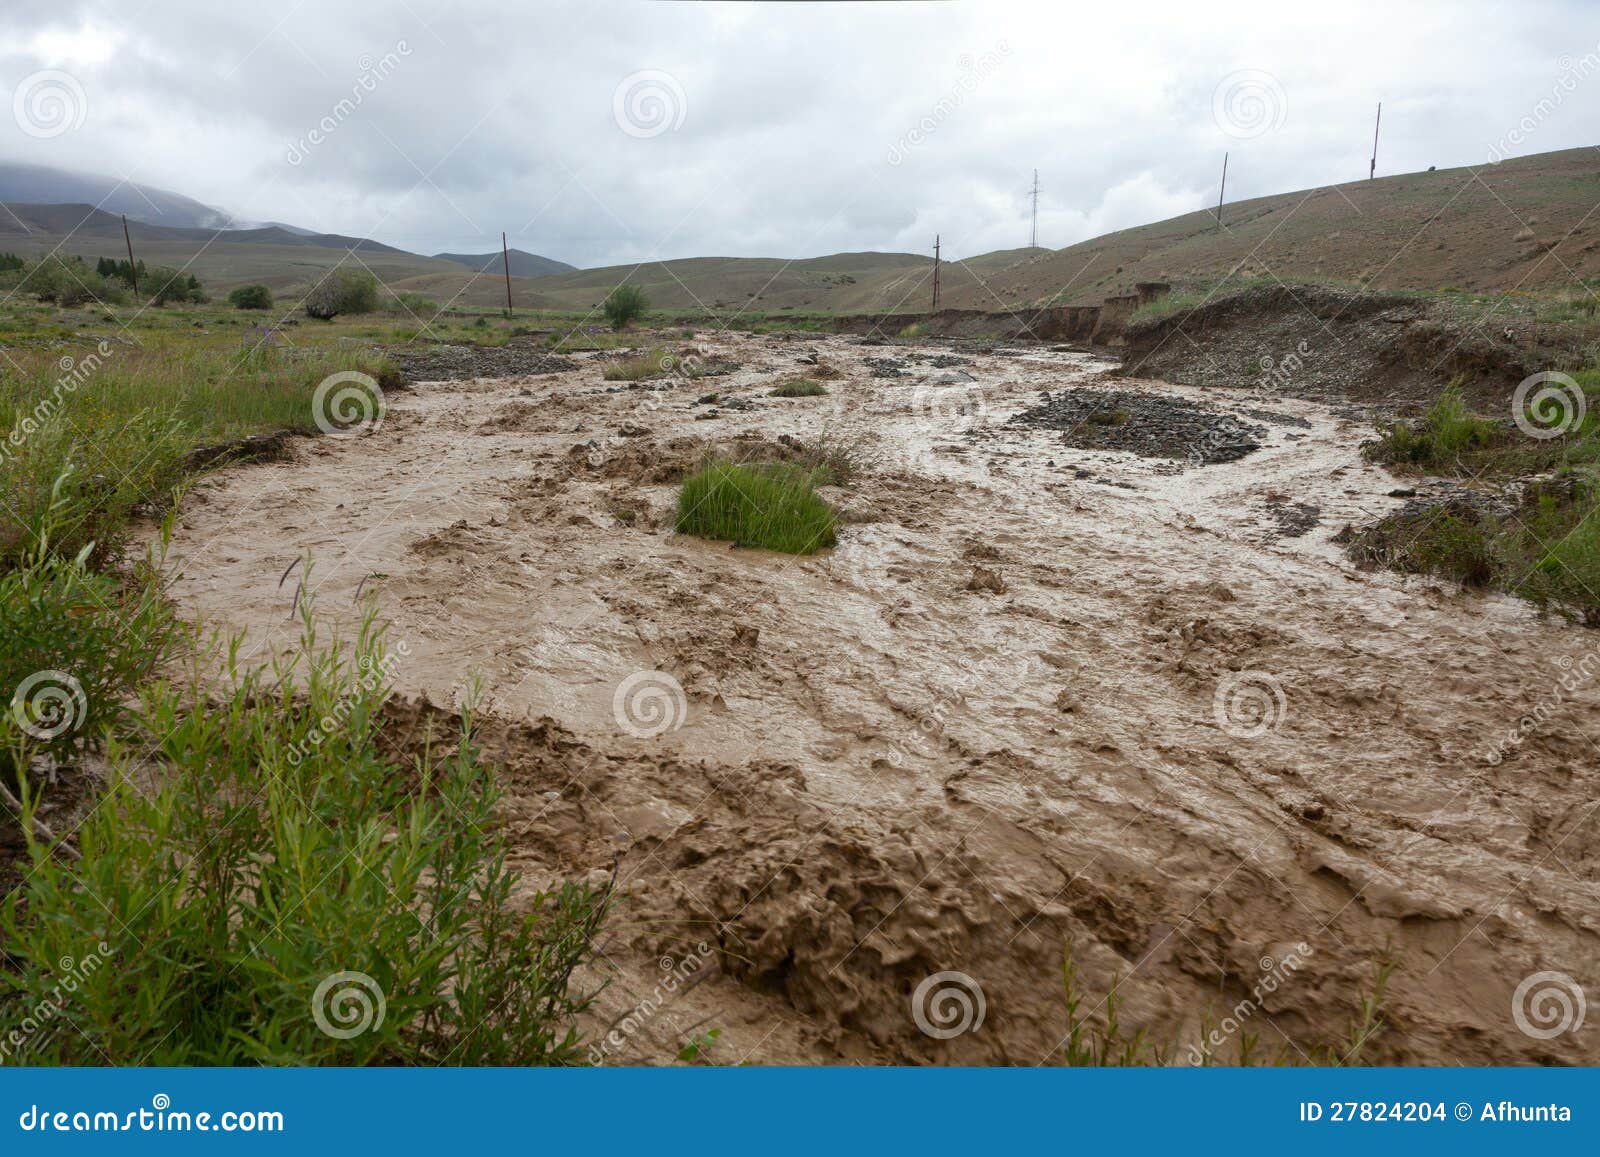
(239, 845)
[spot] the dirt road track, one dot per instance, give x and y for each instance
(1185, 736)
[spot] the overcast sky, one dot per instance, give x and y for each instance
(611, 131)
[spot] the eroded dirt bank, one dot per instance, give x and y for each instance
(1038, 695)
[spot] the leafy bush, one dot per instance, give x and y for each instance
(653, 364)
(251, 297)
(73, 645)
(169, 285)
(799, 388)
(286, 890)
(775, 507)
(342, 291)
(69, 282)
(1447, 433)
(627, 303)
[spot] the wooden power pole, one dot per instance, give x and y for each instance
(133, 273)
(935, 273)
(1033, 235)
(1372, 170)
(1223, 189)
(505, 255)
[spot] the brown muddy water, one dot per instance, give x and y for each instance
(1037, 696)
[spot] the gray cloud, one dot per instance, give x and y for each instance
(805, 128)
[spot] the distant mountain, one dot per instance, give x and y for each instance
(522, 264)
(43, 185)
(85, 221)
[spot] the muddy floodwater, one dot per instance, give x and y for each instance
(1040, 695)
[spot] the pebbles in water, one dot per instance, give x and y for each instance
(1143, 424)
(441, 363)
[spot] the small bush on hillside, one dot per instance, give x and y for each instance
(627, 303)
(342, 291)
(169, 285)
(69, 282)
(1441, 439)
(774, 507)
(251, 297)
(800, 388)
(915, 330)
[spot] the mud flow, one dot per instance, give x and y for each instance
(1115, 691)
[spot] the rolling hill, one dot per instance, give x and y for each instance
(522, 264)
(43, 184)
(1532, 223)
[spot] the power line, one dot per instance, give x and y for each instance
(935, 273)
(1373, 170)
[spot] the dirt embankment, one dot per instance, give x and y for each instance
(1316, 342)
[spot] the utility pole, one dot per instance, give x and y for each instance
(1223, 189)
(1373, 170)
(1033, 237)
(935, 273)
(505, 255)
(133, 273)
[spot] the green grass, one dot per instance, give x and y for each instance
(653, 364)
(916, 329)
(773, 507)
(799, 388)
(257, 844)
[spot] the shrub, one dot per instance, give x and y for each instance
(342, 291)
(169, 285)
(639, 367)
(73, 646)
(417, 304)
(774, 507)
(1442, 439)
(915, 330)
(69, 282)
(251, 297)
(283, 888)
(627, 303)
(799, 388)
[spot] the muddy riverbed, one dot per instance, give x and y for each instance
(1040, 695)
